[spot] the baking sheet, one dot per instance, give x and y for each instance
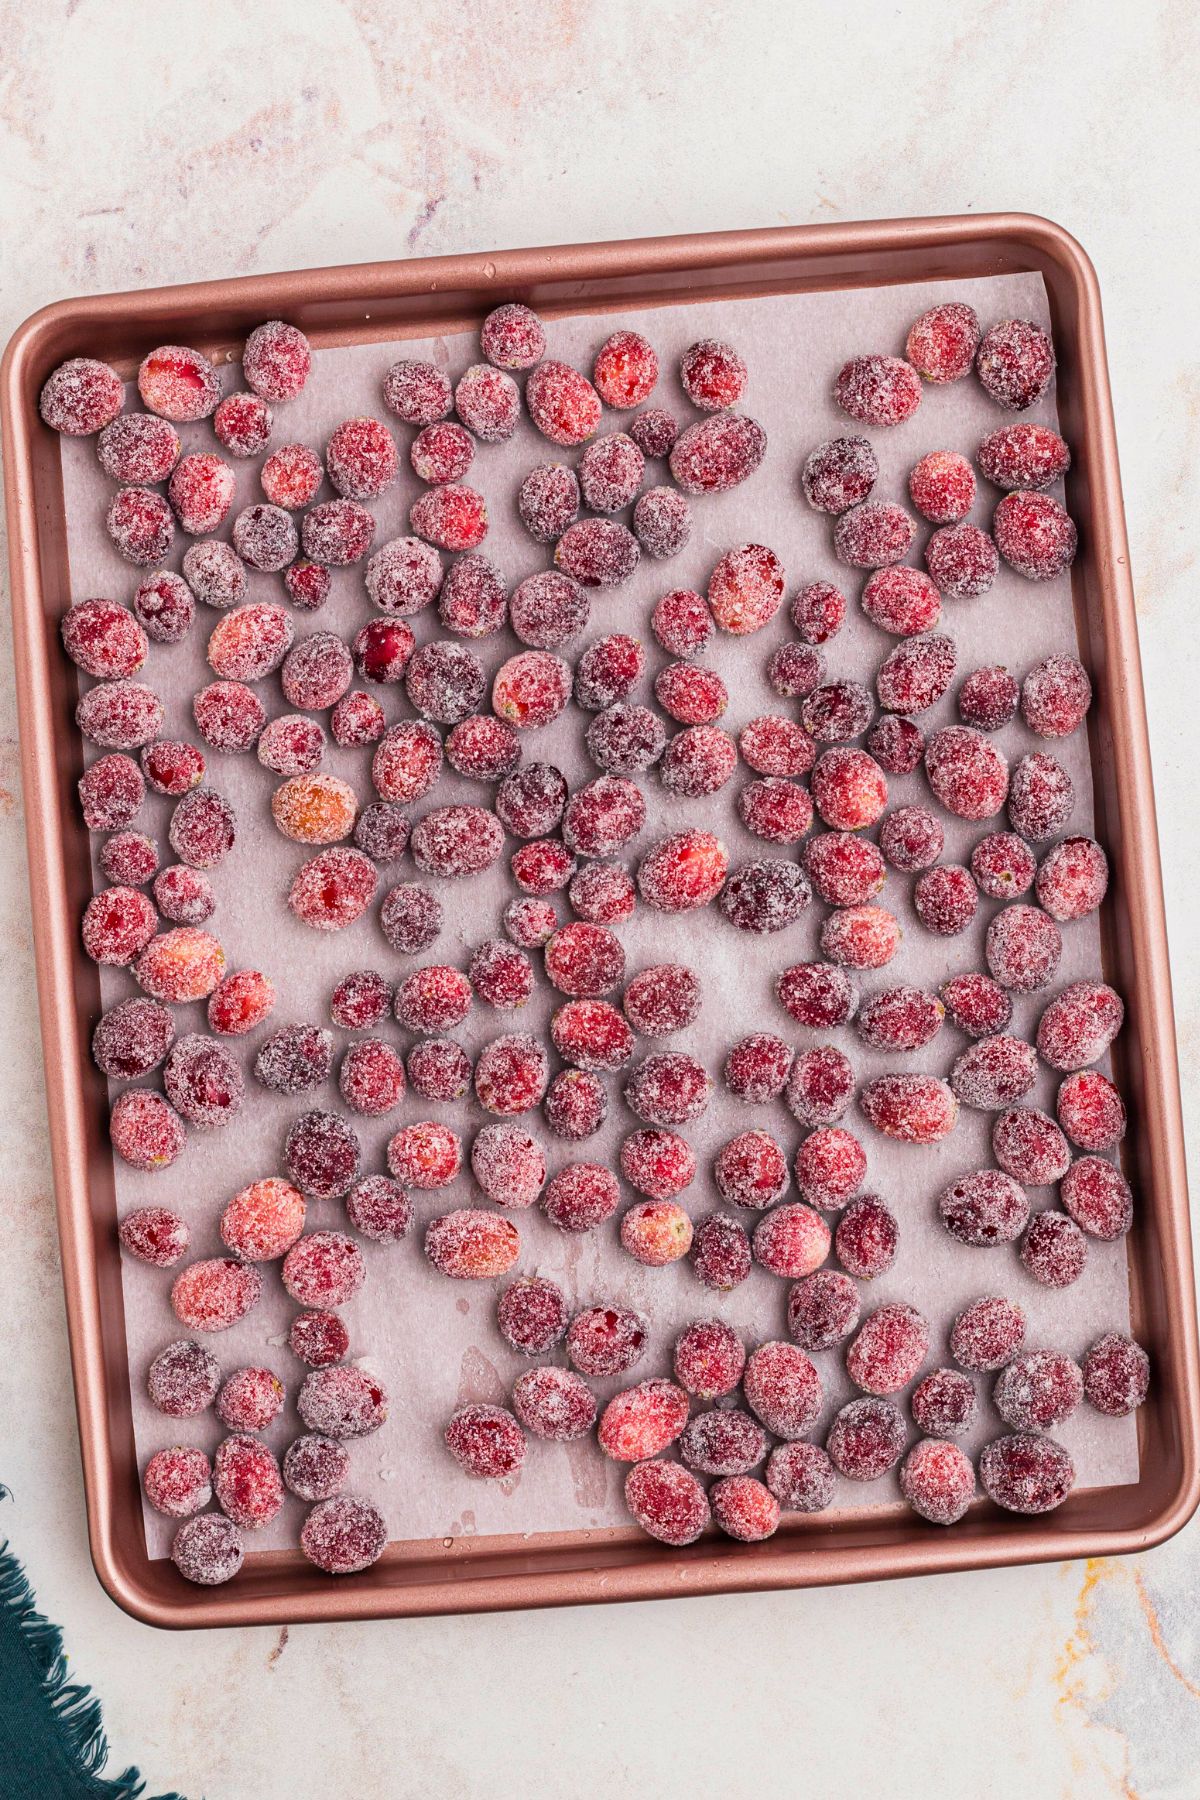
(434, 1343)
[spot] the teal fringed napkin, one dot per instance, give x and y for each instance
(52, 1742)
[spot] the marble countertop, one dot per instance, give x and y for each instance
(135, 151)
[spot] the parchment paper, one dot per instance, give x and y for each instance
(434, 1343)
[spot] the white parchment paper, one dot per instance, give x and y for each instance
(435, 1343)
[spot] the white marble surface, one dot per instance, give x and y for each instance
(137, 147)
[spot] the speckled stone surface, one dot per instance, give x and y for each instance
(135, 151)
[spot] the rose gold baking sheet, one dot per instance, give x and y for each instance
(435, 1345)
(559, 1493)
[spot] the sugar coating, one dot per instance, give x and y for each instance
(318, 1339)
(597, 553)
(229, 716)
(470, 1244)
(315, 1468)
(548, 501)
(801, 1476)
(426, 1155)
(576, 1104)
(417, 392)
(938, 1481)
(111, 791)
(323, 1269)
(916, 674)
(438, 1069)
(1015, 363)
(178, 1482)
(294, 1059)
(983, 1208)
(178, 383)
(486, 1442)
(214, 1294)
(1055, 696)
(344, 1535)
(208, 1550)
(204, 1081)
(321, 1154)
(276, 360)
(603, 893)
(1029, 1146)
(901, 600)
(488, 401)
(878, 390)
(667, 1502)
(183, 1379)
(641, 1421)
(216, 575)
(818, 612)
(554, 1404)
(1023, 948)
(1026, 1473)
(791, 1241)
(1038, 1390)
(532, 1315)
(263, 1220)
(900, 1018)
(911, 838)
(379, 1209)
(987, 1334)
(839, 474)
(1054, 1250)
(337, 533)
(1003, 865)
(866, 1439)
(944, 1403)
(823, 1309)
(658, 1163)
(333, 889)
(994, 1072)
(724, 1441)
(1116, 1375)
(342, 1402)
(611, 471)
(889, 1349)
(154, 1235)
(120, 715)
(783, 1389)
(718, 453)
(581, 1196)
(963, 560)
(746, 589)
(562, 403)
(250, 1399)
(941, 344)
(512, 336)
(866, 1238)
(913, 1109)
(819, 995)
(720, 1252)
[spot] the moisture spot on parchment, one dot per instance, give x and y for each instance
(479, 1381)
(463, 1306)
(589, 1475)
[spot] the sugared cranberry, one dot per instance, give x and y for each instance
(878, 390)
(941, 344)
(818, 612)
(987, 1334)
(839, 474)
(942, 487)
(718, 453)
(1116, 1375)
(276, 360)
(913, 1109)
